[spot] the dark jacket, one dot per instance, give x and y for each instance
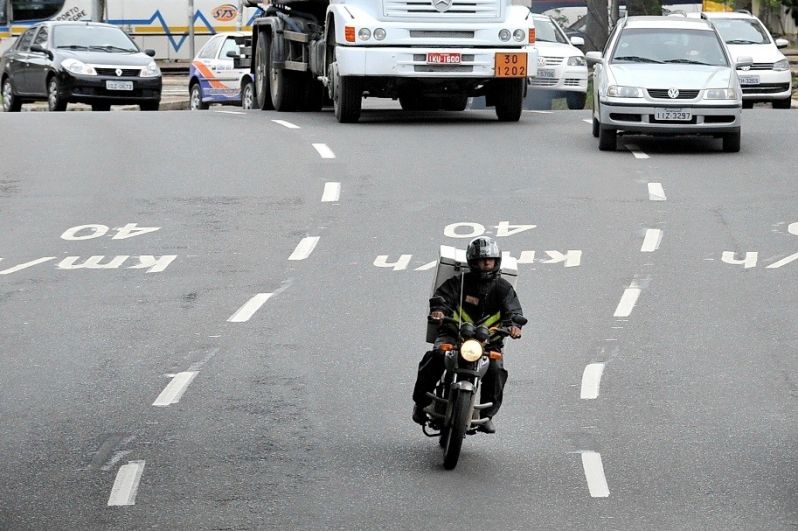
(494, 301)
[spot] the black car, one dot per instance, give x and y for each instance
(85, 62)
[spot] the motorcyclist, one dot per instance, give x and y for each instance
(484, 294)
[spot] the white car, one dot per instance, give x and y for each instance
(666, 76)
(562, 69)
(769, 78)
(213, 77)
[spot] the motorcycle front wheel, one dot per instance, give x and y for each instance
(456, 430)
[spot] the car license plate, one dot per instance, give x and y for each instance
(749, 80)
(674, 115)
(511, 64)
(546, 72)
(443, 58)
(119, 85)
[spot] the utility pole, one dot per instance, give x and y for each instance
(191, 30)
(97, 11)
(240, 19)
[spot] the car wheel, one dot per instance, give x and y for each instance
(248, 95)
(786, 103)
(10, 102)
(596, 127)
(748, 104)
(575, 100)
(608, 139)
(55, 101)
(101, 107)
(731, 142)
(150, 105)
(195, 100)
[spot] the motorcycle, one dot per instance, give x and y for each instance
(454, 412)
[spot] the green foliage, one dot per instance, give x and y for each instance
(792, 7)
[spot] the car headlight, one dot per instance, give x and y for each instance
(617, 91)
(577, 60)
(721, 94)
(471, 350)
(782, 65)
(79, 67)
(151, 70)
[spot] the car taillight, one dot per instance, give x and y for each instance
(531, 35)
(349, 33)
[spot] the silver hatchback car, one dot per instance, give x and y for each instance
(666, 75)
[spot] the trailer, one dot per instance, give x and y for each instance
(428, 54)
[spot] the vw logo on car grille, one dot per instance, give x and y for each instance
(673, 93)
(442, 5)
(118, 72)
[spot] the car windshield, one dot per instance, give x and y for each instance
(742, 31)
(97, 38)
(546, 31)
(674, 46)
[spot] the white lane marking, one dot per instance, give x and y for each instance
(324, 151)
(118, 456)
(172, 392)
(332, 192)
(784, 261)
(627, 302)
(26, 265)
(198, 365)
(587, 121)
(230, 112)
(289, 125)
(636, 151)
(126, 484)
(651, 241)
(249, 308)
(594, 473)
(591, 379)
(539, 112)
(656, 192)
(304, 248)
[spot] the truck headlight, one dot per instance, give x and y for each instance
(617, 91)
(781, 65)
(577, 60)
(379, 34)
(519, 35)
(471, 350)
(79, 67)
(364, 34)
(151, 70)
(504, 35)
(721, 94)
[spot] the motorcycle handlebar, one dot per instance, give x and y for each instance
(502, 331)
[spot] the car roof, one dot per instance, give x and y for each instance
(76, 23)
(729, 14)
(673, 21)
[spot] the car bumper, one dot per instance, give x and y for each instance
(566, 79)
(770, 85)
(641, 118)
(93, 89)
(476, 63)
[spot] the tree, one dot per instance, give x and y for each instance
(792, 8)
(643, 7)
(598, 24)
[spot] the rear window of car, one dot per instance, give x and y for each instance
(86, 37)
(742, 31)
(669, 45)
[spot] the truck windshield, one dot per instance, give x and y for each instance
(30, 9)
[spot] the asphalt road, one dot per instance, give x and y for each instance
(162, 387)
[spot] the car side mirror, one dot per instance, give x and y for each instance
(150, 53)
(41, 49)
(594, 57)
(744, 62)
(577, 41)
(782, 43)
(232, 53)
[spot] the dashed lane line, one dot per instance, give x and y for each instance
(172, 392)
(594, 473)
(304, 248)
(636, 151)
(230, 112)
(651, 240)
(289, 125)
(249, 308)
(126, 484)
(324, 151)
(656, 192)
(591, 380)
(628, 301)
(332, 192)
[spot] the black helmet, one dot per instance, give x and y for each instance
(483, 247)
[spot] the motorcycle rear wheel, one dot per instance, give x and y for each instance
(456, 430)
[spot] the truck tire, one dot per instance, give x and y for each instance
(347, 98)
(286, 86)
(263, 95)
(509, 98)
(313, 96)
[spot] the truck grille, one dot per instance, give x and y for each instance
(442, 34)
(469, 9)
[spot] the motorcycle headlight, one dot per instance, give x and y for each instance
(577, 60)
(617, 91)
(151, 70)
(721, 94)
(782, 65)
(471, 350)
(79, 67)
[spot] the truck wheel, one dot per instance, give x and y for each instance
(313, 96)
(262, 90)
(347, 97)
(509, 98)
(286, 86)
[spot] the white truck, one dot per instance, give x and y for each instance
(430, 54)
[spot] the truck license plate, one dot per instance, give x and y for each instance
(675, 115)
(511, 64)
(119, 85)
(443, 58)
